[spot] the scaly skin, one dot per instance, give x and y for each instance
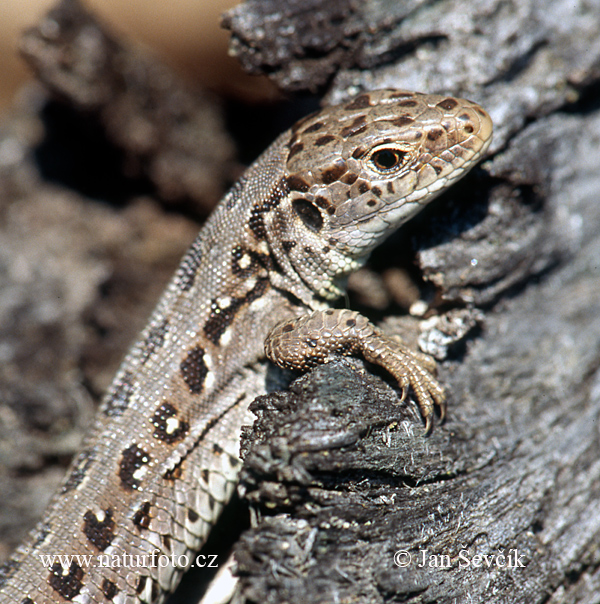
(161, 459)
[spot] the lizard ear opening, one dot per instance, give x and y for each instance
(309, 214)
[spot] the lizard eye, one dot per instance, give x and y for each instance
(385, 160)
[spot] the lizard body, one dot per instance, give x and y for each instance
(161, 459)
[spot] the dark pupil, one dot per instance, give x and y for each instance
(385, 160)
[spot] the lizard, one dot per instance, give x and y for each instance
(161, 458)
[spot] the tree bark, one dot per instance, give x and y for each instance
(351, 501)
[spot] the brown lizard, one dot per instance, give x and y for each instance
(161, 459)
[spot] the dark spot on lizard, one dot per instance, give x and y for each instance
(165, 430)
(376, 191)
(7, 570)
(308, 250)
(154, 340)
(357, 123)
(295, 149)
(174, 473)
(297, 183)
(371, 203)
(192, 515)
(357, 131)
(27, 601)
(211, 502)
(166, 541)
(308, 214)
(390, 187)
(358, 152)
(257, 220)
(109, 589)
(313, 128)
(41, 533)
(288, 245)
(407, 103)
(437, 168)
(322, 202)
(66, 585)
(139, 588)
(447, 104)
(325, 250)
(221, 318)
(402, 121)
(188, 269)
(234, 462)
(246, 262)
(360, 102)
(434, 134)
(100, 533)
(120, 398)
(82, 464)
(333, 173)
(205, 475)
(132, 459)
(349, 178)
(141, 518)
(324, 140)
(363, 187)
(194, 370)
(351, 322)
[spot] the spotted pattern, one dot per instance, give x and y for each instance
(139, 588)
(109, 589)
(141, 518)
(121, 397)
(334, 172)
(167, 426)
(79, 471)
(7, 570)
(132, 460)
(174, 473)
(360, 102)
(27, 601)
(99, 528)
(155, 340)
(41, 533)
(68, 585)
(246, 262)
(194, 370)
(188, 269)
(222, 315)
(257, 220)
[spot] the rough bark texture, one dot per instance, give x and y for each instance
(339, 472)
(342, 476)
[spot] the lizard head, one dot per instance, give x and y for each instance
(357, 171)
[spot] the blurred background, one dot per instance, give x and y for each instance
(185, 34)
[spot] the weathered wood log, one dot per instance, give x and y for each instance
(337, 470)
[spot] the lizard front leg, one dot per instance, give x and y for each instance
(322, 335)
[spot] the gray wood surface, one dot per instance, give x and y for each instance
(338, 472)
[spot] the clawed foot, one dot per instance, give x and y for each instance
(322, 335)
